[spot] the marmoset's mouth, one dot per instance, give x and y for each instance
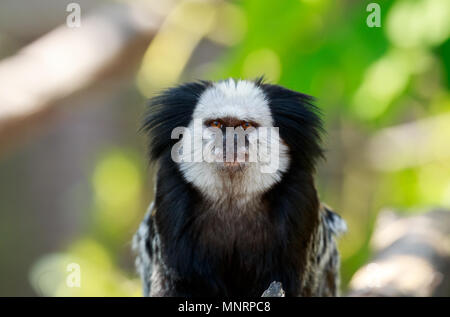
(233, 166)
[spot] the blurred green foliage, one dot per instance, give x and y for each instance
(117, 206)
(384, 95)
(366, 80)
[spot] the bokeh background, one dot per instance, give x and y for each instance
(75, 181)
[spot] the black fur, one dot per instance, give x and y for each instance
(195, 253)
(299, 122)
(170, 109)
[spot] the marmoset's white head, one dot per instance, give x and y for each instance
(233, 116)
(234, 138)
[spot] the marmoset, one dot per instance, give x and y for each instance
(236, 206)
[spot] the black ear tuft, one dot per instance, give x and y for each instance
(170, 109)
(299, 122)
(260, 81)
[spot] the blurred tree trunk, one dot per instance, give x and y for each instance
(68, 60)
(411, 257)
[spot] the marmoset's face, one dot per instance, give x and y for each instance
(231, 144)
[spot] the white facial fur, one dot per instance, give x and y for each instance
(243, 100)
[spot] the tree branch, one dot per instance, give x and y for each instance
(412, 257)
(68, 60)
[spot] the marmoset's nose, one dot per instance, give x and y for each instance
(231, 146)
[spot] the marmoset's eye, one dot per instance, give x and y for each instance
(215, 124)
(246, 125)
